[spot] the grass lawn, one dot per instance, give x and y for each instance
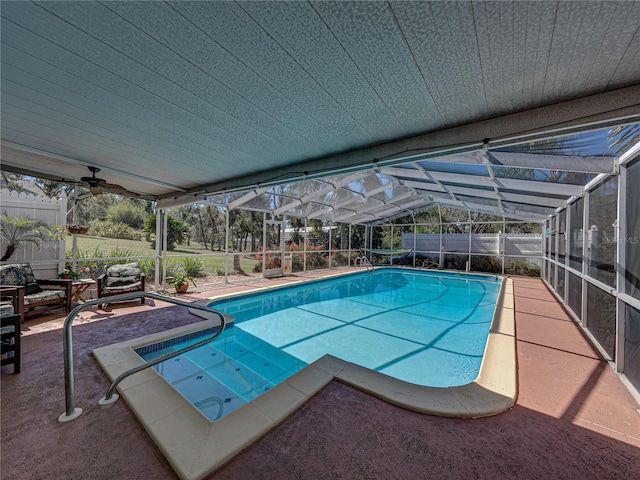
(100, 247)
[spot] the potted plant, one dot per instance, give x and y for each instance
(77, 229)
(181, 282)
(68, 273)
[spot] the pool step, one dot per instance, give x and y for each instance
(218, 384)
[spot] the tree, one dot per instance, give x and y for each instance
(18, 230)
(176, 230)
(51, 188)
(233, 217)
(12, 182)
(127, 213)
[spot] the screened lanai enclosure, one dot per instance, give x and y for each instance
(563, 208)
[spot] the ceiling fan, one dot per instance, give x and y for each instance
(98, 186)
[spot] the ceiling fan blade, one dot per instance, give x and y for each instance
(114, 188)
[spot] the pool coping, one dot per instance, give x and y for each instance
(195, 446)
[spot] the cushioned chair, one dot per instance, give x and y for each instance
(10, 321)
(38, 296)
(119, 279)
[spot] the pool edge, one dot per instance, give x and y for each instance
(195, 447)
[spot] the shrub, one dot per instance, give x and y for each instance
(193, 267)
(339, 259)
(522, 267)
(128, 214)
(114, 230)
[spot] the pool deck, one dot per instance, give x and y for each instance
(574, 418)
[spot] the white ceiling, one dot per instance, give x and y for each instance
(181, 98)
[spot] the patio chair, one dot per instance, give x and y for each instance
(10, 321)
(38, 296)
(119, 279)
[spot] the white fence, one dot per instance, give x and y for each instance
(526, 245)
(46, 259)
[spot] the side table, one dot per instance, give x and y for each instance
(78, 287)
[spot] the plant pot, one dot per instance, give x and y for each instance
(182, 287)
(77, 229)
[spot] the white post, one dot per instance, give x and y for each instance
(165, 228)
(74, 216)
(226, 246)
(621, 239)
(158, 248)
(391, 246)
(441, 254)
(567, 234)
(264, 242)
(415, 230)
(585, 257)
(470, 228)
(304, 251)
(349, 252)
(330, 240)
(501, 242)
(557, 256)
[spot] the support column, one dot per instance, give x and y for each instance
(226, 245)
(585, 258)
(621, 240)
(158, 249)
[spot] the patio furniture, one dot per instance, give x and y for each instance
(79, 287)
(10, 322)
(119, 279)
(38, 296)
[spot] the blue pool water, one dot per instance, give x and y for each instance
(426, 328)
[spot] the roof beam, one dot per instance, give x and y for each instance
(548, 188)
(323, 191)
(480, 193)
(373, 208)
(528, 216)
(543, 161)
(256, 192)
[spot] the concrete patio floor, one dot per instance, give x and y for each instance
(574, 418)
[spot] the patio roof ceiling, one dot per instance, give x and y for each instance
(178, 101)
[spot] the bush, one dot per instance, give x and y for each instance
(114, 230)
(486, 264)
(522, 267)
(194, 267)
(339, 259)
(131, 215)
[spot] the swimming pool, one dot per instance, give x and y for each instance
(426, 328)
(196, 446)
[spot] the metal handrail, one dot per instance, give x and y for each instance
(109, 396)
(71, 412)
(364, 262)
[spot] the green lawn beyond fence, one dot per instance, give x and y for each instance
(189, 259)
